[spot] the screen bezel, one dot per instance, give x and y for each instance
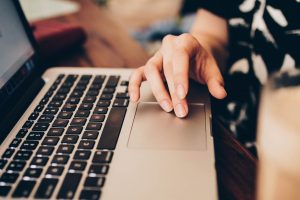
(9, 101)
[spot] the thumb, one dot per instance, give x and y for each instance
(211, 75)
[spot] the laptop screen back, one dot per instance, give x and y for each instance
(16, 57)
(18, 61)
(15, 46)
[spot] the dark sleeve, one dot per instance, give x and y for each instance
(223, 8)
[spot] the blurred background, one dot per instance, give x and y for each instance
(147, 21)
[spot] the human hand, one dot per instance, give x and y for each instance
(178, 57)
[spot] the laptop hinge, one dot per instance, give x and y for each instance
(20, 107)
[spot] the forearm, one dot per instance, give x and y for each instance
(212, 33)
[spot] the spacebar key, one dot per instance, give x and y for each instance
(69, 186)
(111, 131)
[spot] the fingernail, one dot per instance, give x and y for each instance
(181, 92)
(166, 106)
(180, 111)
(133, 97)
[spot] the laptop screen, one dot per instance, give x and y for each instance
(16, 57)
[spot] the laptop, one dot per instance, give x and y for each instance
(71, 133)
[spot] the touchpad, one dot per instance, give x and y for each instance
(155, 129)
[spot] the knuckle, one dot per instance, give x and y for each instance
(149, 68)
(185, 36)
(168, 38)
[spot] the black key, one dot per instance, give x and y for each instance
(82, 155)
(46, 118)
(86, 144)
(33, 172)
(23, 155)
(22, 133)
(108, 90)
(50, 141)
(60, 123)
(55, 170)
(44, 101)
(112, 81)
(40, 127)
(65, 115)
(15, 143)
(78, 121)
(59, 97)
(55, 104)
(2, 163)
(85, 106)
(100, 110)
(73, 100)
(121, 103)
(49, 94)
(65, 149)
(63, 90)
(112, 128)
(93, 126)
(50, 111)
(39, 108)
(67, 85)
(69, 186)
(60, 159)
(90, 194)
(94, 182)
(99, 79)
(33, 116)
(103, 103)
(16, 165)
(70, 139)
(97, 118)
(124, 83)
(82, 113)
(102, 157)
(80, 87)
(8, 153)
(92, 93)
(28, 124)
(55, 132)
(95, 86)
(74, 130)
(29, 145)
(86, 77)
(35, 136)
(45, 151)
(90, 135)
(69, 107)
(98, 169)
(9, 177)
(71, 78)
(77, 165)
(106, 96)
(46, 188)
(24, 189)
(89, 99)
(39, 161)
(4, 190)
(77, 93)
(122, 95)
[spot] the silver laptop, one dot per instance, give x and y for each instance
(71, 133)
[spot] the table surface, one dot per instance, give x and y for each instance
(109, 45)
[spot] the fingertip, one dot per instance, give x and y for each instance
(217, 90)
(180, 111)
(134, 97)
(166, 106)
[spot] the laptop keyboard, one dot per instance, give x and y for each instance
(68, 140)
